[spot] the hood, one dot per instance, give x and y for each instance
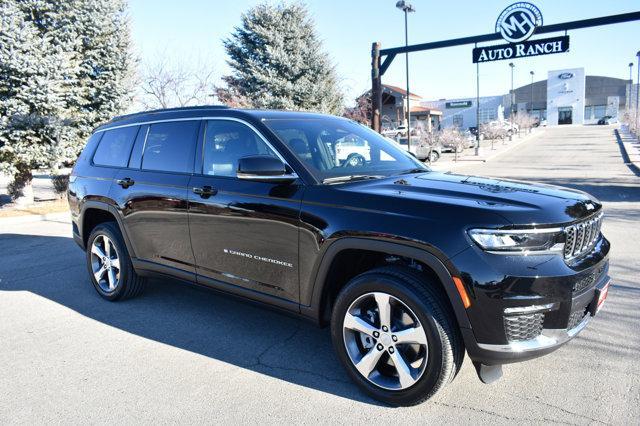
(519, 203)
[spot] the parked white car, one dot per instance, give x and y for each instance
(352, 150)
(400, 131)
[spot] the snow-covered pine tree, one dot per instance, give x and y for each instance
(32, 96)
(97, 33)
(74, 54)
(278, 62)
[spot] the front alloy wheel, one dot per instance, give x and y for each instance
(385, 341)
(396, 335)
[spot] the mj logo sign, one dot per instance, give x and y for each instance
(518, 22)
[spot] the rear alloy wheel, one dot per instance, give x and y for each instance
(105, 263)
(109, 264)
(396, 335)
(434, 156)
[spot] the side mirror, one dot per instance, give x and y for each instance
(264, 168)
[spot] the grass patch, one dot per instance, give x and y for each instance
(38, 208)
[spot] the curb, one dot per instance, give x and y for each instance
(630, 154)
(16, 220)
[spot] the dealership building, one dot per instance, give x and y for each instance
(567, 96)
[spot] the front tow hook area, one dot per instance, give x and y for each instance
(488, 373)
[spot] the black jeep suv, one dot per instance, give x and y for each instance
(410, 267)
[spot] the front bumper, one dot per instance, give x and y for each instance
(516, 316)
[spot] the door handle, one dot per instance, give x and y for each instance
(125, 183)
(205, 192)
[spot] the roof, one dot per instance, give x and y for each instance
(431, 111)
(401, 91)
(205, 111)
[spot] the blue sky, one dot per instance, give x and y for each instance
(188, 30)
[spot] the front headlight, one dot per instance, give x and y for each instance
(525, 241)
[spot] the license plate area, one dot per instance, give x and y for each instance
(599, 297)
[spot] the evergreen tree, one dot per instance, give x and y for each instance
(32, 96)
(277, 62)
(89, 41)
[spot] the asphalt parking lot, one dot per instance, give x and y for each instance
(179, 354)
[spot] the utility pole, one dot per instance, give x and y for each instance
(376, 87)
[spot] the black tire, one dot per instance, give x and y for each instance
(428, 301)
(354, 160)
(434, 156)
(130, 284)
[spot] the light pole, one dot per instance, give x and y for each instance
(407, 7)
(477, 152)
(531, 101)
(638, 93)
(512, 66)
(630, 86)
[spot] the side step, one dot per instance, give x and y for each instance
(488, 373)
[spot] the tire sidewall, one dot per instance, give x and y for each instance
(113, 233)
(433, 373)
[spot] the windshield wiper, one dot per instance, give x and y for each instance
(416, 170)
(349, 178)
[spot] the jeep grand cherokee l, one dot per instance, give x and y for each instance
(409, 267)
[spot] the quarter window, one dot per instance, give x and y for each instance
(225, 143)
(169, 146)
(115, 147)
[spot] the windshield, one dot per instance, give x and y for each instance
(333, 147)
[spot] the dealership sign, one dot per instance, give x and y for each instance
(516, 24)
(524, 49)
(458, 104)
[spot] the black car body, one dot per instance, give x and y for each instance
(294, 239)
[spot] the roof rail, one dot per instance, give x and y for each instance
(163, 110)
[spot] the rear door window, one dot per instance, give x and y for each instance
(115, 147)
(170, 146)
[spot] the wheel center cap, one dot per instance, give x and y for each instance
(385, 339)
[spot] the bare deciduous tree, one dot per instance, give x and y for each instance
(493, 132)
(164, 84)
(524, 121)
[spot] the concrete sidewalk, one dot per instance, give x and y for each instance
(499, 147)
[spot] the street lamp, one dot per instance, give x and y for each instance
(531, 101)
(638, 93)
(512, 66)
(630, 86)
(407, 7)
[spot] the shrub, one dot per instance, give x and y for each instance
(60, 184)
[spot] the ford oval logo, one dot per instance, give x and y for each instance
(565, 75)
(518, 22)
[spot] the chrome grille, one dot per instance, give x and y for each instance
(581, 237)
